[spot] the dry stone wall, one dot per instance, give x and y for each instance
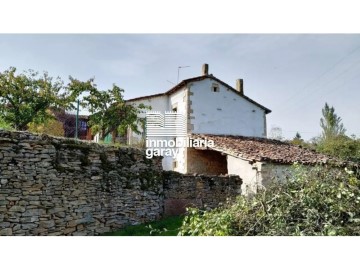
(52, 186)
(202, 191)
(57, 186)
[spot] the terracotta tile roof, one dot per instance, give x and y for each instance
(261, 149)
(200, 78)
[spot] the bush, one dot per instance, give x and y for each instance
(340, 146)
(50, 126)
(317, 202)
(4, 124)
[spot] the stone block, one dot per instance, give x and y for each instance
(6, 232)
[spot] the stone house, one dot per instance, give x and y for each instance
(216, 111)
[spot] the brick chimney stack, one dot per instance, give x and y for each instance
(205, 69)
(240, 86)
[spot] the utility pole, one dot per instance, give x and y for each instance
(77, 119)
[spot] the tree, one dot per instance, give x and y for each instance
(341, 146)
(331, 123)
(333, 140)
(26, 97)
(276, 133)
(109, 111)
(297, 140)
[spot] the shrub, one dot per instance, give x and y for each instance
(50, 126)
(316, 202)
(4, 124)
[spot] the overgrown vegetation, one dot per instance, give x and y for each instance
(333, 140)
(166, 227)
(315, 202)
(50, 126)
(4, 124)
(33, 101)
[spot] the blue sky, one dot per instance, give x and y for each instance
(293, 75)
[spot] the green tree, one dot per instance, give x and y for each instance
(331, 123)
(297, 140)
(341, 146)
(109, 112)
(26, 97)
(333, 140)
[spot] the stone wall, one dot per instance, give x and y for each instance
(53, 186)
(203, 191)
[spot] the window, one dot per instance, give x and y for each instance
(83, 125)
(215, 87)
(175, 164)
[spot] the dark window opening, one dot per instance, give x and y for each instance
(215, 88)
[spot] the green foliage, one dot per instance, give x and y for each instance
(333, 140)
(297, 140)
(341, 146)
(50, 126)
(26, 97)
(331, 123)
(109, 111)
(217, 222)
(315, 202)
(4, 124)
(166, 227)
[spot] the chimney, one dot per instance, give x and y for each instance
(205, 69)
(240, 86)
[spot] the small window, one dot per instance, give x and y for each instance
(215, 87)
(175, 164)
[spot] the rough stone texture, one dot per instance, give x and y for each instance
(52, 186)
(204, 191)
(58, 186)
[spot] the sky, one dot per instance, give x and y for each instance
(291, 74)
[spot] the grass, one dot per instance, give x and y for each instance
(166, 227)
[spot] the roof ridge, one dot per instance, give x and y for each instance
(211, 76)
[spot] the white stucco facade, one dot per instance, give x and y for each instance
(224, 112)
(159, 103)
(247, 172)
(210, 107)
(257, 175)
(164, 103)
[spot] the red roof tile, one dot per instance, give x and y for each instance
(261, 149)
